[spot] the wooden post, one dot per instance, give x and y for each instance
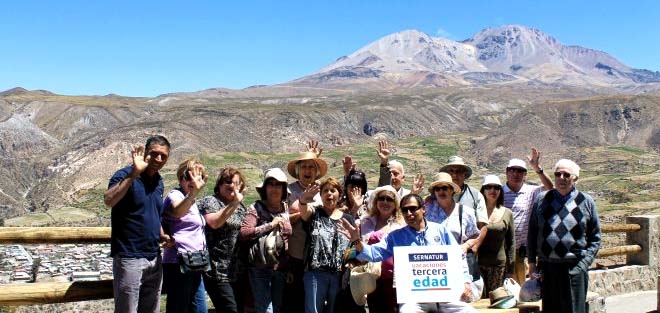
(42, 293)
(618, 250)
(619, 228)
(43, 235)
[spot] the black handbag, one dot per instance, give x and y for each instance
(195, 261)
(473, 264)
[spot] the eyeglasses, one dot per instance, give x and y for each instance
(563, 175)
(516, 170)
(229, 182)
(385, 198)
(455, 171)
(443, 188)
(410, 208)
(492, 187)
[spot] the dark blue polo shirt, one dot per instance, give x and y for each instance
(136, 217)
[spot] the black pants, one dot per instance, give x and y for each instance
(564, 288)
(294, 293)
(221, 294)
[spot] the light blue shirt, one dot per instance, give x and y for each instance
(433, 234)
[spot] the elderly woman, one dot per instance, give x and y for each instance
(267, 216)
(496, 255)
(224, 213)
(325, 245)
(183, 222)
(384, 217)
(306, 169)
(461, 222)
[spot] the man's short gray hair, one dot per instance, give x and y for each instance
(397, 164)
(572, 167)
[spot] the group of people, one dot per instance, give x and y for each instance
(294, 248)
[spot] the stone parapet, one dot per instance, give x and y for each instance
(648, 237)
(624, 279)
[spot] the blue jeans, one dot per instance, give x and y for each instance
(136, 284)
(320, 287)
(181, 288)
(200, 299)
(267, 287)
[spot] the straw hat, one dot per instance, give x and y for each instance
(443, 178)
(363, 281)
(274, 173)
(307, 155)
(457, 161)
(499, 296)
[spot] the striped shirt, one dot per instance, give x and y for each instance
(521, 203)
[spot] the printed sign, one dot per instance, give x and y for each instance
(428, 274)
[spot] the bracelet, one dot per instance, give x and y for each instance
(540, 171)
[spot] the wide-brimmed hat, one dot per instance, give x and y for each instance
(443, 178)
(374, 194)
(457, 161)
(307, 155)
(517, 163)
(498, 296)
(363, 281)
(491, 180)
(276, 174)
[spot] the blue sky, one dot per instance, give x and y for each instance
(147, 48)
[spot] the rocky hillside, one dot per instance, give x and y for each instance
(56, 149)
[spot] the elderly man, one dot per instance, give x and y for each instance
(135, 194)
(564, 233)
(519, 197)
(306, 169)
(392, 173)
(418, 232)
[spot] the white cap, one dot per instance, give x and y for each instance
(517, 163)
(275, 173)
(491, 180)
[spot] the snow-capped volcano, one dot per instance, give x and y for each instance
(494, 55)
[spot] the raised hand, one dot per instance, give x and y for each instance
(197, 179)
(418, 184)
(383, 152)
(356, 195)
(309, 193)
(351, 232)
(140, 163)
(534, 159)
(313, 146)
(348, 164)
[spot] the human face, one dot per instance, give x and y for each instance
(564, 182)
(159, 155)
(457, 174)
(229, 188)
(413, 213)
(273, 190)
(307, 172)
(492, 192)
(515, 177)
(396, 174)
(385, 204)
(443, 192)
(330, 196)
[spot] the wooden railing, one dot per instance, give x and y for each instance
(41, 293)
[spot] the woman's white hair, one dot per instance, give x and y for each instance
(572, 167)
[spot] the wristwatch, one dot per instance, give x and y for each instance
(540, 171)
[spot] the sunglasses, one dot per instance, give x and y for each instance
(492, 187)
(385, 198)
(517, 170)
(443, 188)
(410, 208)
(562, 175)
(455, 171)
